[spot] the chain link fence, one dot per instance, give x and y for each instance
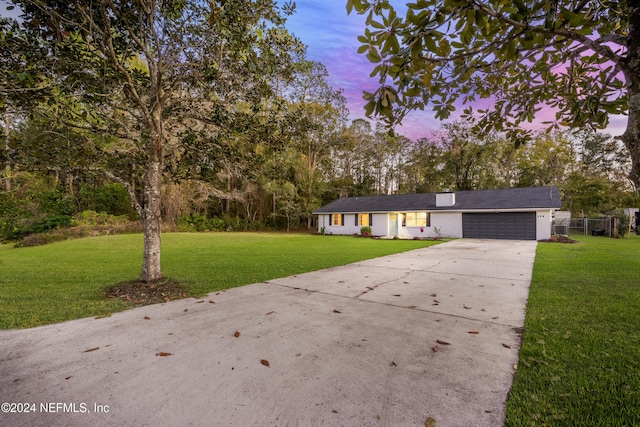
(595, 227)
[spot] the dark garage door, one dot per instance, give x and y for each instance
(504, 225)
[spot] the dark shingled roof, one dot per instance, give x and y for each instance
(508, 198)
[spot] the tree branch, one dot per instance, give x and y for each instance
(597, 47)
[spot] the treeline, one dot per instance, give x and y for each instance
(246, 138)
(56, 173)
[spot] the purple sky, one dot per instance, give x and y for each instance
(331, 37)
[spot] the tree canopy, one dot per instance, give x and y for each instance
(579, 57)
(154, 74)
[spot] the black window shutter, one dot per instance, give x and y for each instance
(370, 220)
(330, 218)
(356, 215)
(342, 220)
(428, 219)
(404, 219)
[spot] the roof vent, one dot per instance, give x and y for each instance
(445, 200)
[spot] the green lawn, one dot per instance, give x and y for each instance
(580, 358)
(66, 280)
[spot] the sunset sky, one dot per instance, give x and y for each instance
(331, 37)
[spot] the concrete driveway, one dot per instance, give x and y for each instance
(393, 341)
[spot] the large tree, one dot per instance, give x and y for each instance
(580, 57)
(316, 114)
(157, 74)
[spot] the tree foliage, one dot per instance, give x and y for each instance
(579, 57)
(157, 75)
(210, 117)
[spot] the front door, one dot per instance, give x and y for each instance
(393, 224)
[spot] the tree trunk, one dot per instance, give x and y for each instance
(151, 213)
(7, 166)
(631, 137)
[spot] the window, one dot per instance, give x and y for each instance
(336, 219)
(364, 220)
(416, 219)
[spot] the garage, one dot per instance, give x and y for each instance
(522, 213)
(503, 225)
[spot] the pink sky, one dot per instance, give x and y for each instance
(331, 37)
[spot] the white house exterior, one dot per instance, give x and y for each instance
(514, 213)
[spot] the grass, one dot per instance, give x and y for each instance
(67, 280)
(580, 357)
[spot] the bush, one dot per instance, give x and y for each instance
(366, 231)
(54, 203)
(84, 224)
(40, 239)
(624, 221)
(112, 198)
(49, 223)
(32, 207)
(216, 224)
(233, 223)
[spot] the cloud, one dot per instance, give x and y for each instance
(332, 38)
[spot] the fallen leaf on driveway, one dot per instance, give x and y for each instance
(199, 302)
(434, 295)
(146, 318)
(506, 345)
(211, 301)
(442, 342)
(336, 311)
(430, 422)
(185, 310)
(474, 332)
(468, 308)
(91, 349)
(397, 295)
(435, 348)
(237, 334)
(265, 362)
(271, 312)
(163, 354)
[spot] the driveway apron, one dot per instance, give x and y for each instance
(432, 333)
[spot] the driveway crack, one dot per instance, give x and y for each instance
(373, 288)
